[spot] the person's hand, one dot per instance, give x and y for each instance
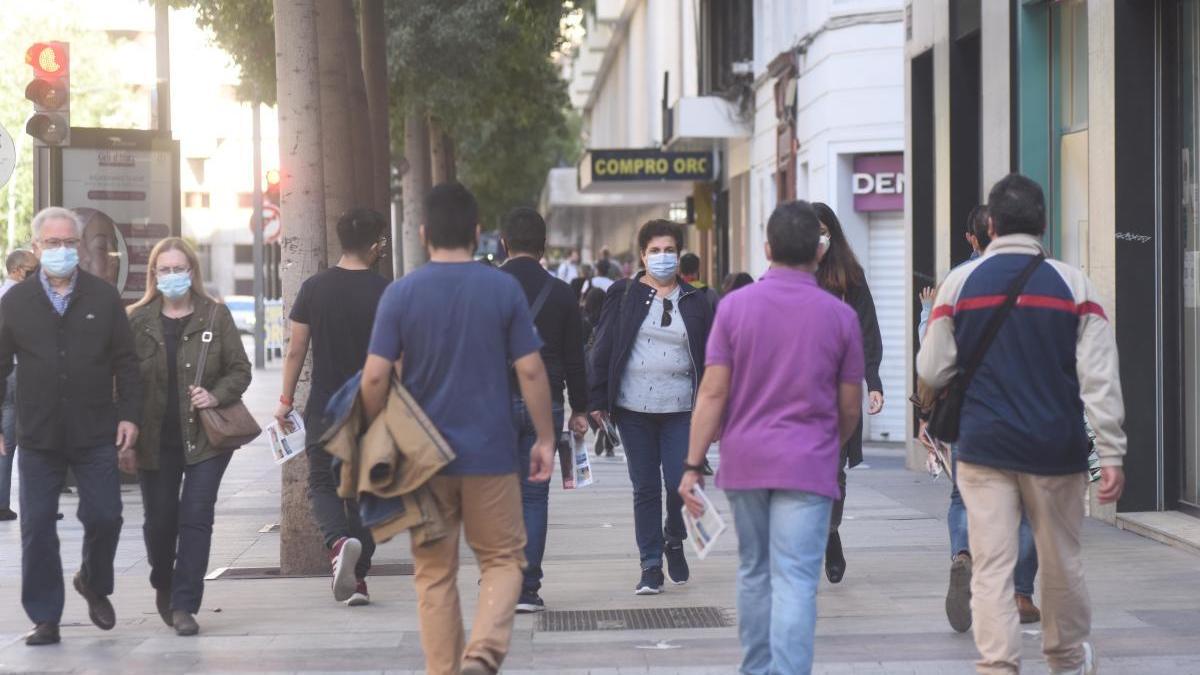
(874, 402)
(687, 485)
(541, 460)
(598, 416)
(1112, 484)
(281, 416)
(924, 437)
(127, 460)
(202, 398)
(127, 435)
(928, 294)
(579, 424)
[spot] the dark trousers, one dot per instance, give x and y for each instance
(535, 497)
(43, 473)
(835, 516)
(179, 523)
(655, 450)
(335, 516)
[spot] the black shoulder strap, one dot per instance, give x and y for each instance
(997, 320)
(540, 300)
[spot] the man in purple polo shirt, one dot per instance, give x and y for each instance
(783, 372)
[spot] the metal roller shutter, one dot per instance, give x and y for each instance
(885, 274)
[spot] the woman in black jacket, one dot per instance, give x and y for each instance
(841, 274)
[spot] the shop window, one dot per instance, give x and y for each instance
(195, 200)
(243, 254)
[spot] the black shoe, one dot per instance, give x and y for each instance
(677, 566)
(835, 561)
(7, 514)
(43, 634)
(958, 596)
(530, 603)
(651, 582)
(162, 601)
(100, 610)
(185, 623)
(58, 517)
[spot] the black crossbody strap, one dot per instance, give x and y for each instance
(997, 320)
(206, 339)
(540, 300)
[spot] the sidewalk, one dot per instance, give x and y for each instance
(886, 616)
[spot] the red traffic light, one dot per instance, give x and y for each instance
(272, 177)
(48, 59)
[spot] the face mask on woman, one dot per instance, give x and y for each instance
(662, 266)
(823, 243)
(175, 285)
(60, 262)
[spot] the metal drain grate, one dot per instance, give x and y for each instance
(380, 570)
(633, 619)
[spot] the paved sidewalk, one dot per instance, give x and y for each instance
(885, 617)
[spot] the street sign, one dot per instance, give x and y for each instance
(8, 156)
(272, 227)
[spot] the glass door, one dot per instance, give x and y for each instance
(1188, 216)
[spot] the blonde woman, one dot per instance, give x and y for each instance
(169, 325)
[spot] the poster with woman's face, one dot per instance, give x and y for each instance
(102, 248)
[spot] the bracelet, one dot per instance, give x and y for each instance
(286, 400)
(698, 468)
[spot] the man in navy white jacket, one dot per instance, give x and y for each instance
(1022, 441)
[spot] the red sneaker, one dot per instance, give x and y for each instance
(343, 557)
(360, 597)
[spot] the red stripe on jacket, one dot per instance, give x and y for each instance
(1035, 301)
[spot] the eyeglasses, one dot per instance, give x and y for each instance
(163, 271)
(667, 309)
(60, 243)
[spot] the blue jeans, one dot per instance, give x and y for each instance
(535, 497)
(781, 543)
(655, 450)
(8, 427)
(178, 525)
(43, 474)
(956, 519)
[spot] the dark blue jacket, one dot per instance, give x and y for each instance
(625, 308)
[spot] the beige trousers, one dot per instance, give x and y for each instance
(1054, 504)
(489, 509)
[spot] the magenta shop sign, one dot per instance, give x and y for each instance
(878, 182)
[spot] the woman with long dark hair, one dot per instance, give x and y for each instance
(841, 274)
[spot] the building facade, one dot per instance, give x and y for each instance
(1098, 101)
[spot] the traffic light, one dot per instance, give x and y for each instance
(271, 194)
(50, 92)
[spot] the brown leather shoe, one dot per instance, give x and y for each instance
(1028, 611)
(100, 610)
(43, 634)
(162, 601)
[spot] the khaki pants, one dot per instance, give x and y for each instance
(489, 508)
(1054, 505)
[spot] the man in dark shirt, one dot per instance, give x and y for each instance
(335, 310)
(559, 322)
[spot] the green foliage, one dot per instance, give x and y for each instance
(101, 93)
(244, 29)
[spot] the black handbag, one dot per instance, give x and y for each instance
(946, 413)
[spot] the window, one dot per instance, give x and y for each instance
(196, 166)
(195, 200)
(245, 200)
(243, 254)
(243, 287)
(728, 39)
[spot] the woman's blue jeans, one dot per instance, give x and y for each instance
(655, 451)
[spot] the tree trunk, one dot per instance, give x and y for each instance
(449, 157)
(336, 140)
(301, 549)
(360, 124)
(374, 61)
(441, 154)
(416, 185)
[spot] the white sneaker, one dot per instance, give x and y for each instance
(343, 558)
(1089, 663)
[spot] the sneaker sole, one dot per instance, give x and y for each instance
(529, 609)
(646, 590)
(358, 600)
(958, 598)
(344, 582)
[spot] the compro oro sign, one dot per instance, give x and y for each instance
(878, 182)
(644, 165)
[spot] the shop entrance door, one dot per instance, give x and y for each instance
(1188, 206)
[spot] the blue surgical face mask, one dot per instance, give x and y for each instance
(175, 285)
(662, 266)
(60, 262)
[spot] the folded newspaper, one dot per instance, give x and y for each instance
(703, 531)
(286, 443)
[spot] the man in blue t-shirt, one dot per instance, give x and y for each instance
(458, 325)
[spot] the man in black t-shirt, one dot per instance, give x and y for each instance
(335, 310)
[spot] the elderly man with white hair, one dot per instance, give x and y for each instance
(71, 337)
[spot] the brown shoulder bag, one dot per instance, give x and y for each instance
(228, 427)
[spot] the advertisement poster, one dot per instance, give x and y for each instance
(125, 196)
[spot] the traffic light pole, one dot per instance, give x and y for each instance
(259, 312)
(162, 63)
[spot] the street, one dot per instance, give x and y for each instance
(885, 617)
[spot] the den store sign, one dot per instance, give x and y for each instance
(878, 182)
(649, 164)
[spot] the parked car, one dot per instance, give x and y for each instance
(242, 308)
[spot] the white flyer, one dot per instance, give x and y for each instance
(574, 461)
(703, 531)
(284, 444)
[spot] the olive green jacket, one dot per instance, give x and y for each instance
(226, 375)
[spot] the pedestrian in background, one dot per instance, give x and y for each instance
(784, 378)
(178, 468)
(647, 362)
(689, 271)
(19, 265)
(1022, 444)
(458, 326)
(334, 313)
(840, 273)
(734, 281)
(568, 269)
(81, 402)
(603, 278)
(556, 315)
